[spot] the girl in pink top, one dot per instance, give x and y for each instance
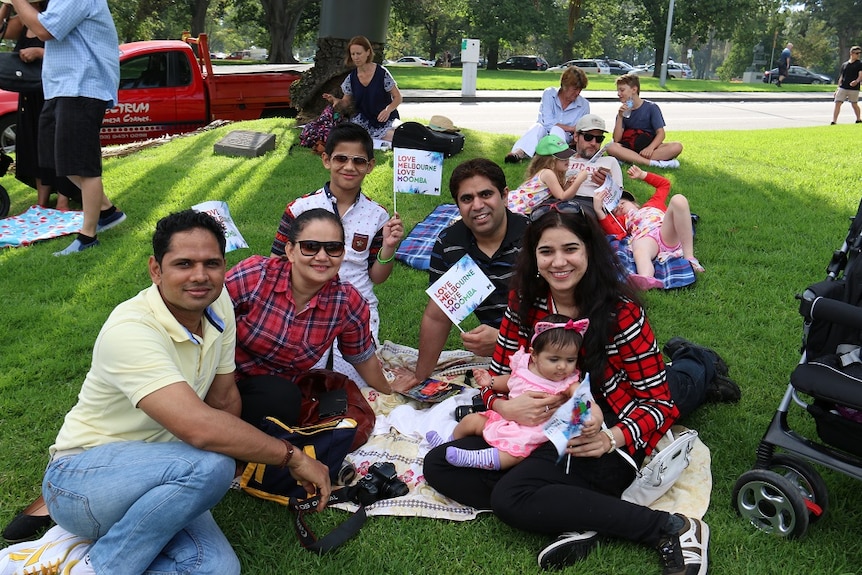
(550, 367)
(657, 230)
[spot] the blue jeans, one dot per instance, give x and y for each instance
(146, 505)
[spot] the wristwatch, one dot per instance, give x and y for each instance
(610, 435)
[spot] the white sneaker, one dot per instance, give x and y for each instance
(78, 562)
(664, 163)
(75, 247)
(44, 556)
(568, 548)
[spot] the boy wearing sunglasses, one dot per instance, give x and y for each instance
(371, 236)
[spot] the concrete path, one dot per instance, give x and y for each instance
(611, 96)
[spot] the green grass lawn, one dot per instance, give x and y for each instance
(414, 78)
(769, 221)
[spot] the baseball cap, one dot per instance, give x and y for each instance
(552, 145)
(626, 195)
(589, 122)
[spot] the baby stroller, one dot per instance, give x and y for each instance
(783, 493)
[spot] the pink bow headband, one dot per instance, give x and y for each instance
(579, 326)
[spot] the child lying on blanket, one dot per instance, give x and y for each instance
(657, 230)
(546, 177)
(550, 367)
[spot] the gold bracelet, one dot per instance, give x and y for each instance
(384, 262)
(610, 434)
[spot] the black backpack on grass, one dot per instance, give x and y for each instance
(415, 136)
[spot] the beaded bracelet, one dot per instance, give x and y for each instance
(386, 261)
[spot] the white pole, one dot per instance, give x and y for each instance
(663, 74)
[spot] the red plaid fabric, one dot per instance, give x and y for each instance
(634, 382)
(273, 338)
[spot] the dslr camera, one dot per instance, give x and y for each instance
(381, 482)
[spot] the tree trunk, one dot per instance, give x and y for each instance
(372, 18)
(199, 17)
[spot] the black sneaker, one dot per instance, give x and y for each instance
(722, 389)
(686, 552)
(567, 549)
(675, 344)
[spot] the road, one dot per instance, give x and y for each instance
(516, 117)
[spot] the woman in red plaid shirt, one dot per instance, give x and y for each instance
(290, 310)
(566, 266)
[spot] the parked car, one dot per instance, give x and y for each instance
(588, 65)
(797, 75)
(523, 63)
(618, 67)
(456, 62)
(410, 61)
(674, 70)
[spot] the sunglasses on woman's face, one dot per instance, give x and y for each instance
(564, 207)
(310, 248)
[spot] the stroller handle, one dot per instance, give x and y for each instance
(831, 310)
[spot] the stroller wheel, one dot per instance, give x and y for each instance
(771, 502)
(4, 202)
(806, 479)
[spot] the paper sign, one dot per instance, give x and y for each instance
(418, 171)
(601, 152)
(615, 192)
(461, 289)
(220, 212)
(568, 420)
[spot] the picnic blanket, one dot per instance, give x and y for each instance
(415, 249)
(36, 224)
(675, 272)
(399, 437)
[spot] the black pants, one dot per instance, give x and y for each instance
(538, 495)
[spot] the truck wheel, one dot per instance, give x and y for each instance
(7, 133)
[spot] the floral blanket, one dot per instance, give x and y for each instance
(36, 224)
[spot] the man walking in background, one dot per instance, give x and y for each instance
(784, 63)
(80, 77)
(848, 84)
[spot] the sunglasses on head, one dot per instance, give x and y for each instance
(358, 161)
(310, 248)
(590, 137)
(564, 207)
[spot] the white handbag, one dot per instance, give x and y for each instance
(661, 470)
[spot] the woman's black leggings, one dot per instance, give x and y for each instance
(539, 495)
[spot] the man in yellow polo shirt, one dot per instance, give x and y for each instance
(149, 448)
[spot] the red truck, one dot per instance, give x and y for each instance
(166, 88)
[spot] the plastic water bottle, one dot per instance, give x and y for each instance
(628, 111)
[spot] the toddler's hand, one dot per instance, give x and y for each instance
(482, 377)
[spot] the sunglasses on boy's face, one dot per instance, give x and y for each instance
(590, 137)
(358, 161)
(310, 248)
(564, 207)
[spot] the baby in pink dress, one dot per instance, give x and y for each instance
(551, 367)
